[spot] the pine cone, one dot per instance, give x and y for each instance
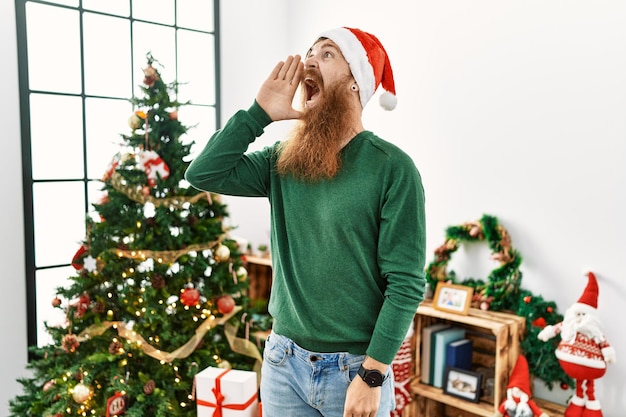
(115, 347)
(158, 282)
(98, 307)
(70, 343)
(148, 389)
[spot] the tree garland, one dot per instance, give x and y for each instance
(502, 291)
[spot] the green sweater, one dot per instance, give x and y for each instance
(348, 253)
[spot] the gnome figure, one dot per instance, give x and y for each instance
(583, 352)
(518, 402)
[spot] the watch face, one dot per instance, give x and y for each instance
(373, 378)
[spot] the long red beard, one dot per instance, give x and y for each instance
(312, 151)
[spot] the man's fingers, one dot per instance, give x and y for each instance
(287, 70)
(293, 70)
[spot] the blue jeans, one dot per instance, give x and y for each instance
(298, 383)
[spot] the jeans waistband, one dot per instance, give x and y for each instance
(342, 358)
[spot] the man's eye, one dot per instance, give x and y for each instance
(328, 55)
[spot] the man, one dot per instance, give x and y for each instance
(347, 228)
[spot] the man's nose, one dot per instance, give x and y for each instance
(310, 62)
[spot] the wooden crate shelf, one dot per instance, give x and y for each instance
(500, 332)
(259, 276)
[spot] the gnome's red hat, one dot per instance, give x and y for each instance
(588, 301)
(368, 62)
(520, 377)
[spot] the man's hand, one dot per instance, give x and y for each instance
(361, 400)
(277, 92)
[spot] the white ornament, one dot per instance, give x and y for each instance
(242, 273)
(81, 393)
(89, 263)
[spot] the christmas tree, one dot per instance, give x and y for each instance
(160, 288)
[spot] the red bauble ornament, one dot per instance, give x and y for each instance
(527, 299)
(225, 304)
(549, 309)
(564, 386)
(190, 297)
(540, 322)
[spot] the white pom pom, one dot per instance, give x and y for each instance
(388, 101)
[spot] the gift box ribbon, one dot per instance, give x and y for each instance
(219, 399)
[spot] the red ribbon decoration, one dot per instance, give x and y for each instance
(219, 399)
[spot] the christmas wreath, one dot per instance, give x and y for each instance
(502, 291)
(501, 282)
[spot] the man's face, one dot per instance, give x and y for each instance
(324, 66)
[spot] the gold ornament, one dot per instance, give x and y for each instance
(222, 253)
(81, 393)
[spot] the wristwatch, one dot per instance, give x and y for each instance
(372, 377)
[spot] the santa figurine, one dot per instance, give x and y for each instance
(583, 351)
(518, 402)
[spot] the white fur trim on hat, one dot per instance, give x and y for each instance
(356, 56)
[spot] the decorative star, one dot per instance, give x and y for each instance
(89, 263)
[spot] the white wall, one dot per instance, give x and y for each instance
(514, 109)
(13, 349)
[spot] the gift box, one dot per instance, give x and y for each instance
(226, 393)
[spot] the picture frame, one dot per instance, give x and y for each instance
(453, 298)
(462, 384)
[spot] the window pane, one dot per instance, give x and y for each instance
(195, 14)
(65, 2)
(46, 283)
(196, 67)
(59, 221)
(107, 58)
(106, 121)
(203, 120)
(118, 7)
(53, 48)
(57, 136)
(161, 11)
(96, 194)
(160, 41)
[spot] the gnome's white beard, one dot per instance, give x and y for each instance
(585, 324)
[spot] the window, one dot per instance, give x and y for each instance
(80, 61)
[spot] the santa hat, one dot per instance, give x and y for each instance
(520, 377)
(588, 301)
(368, 62)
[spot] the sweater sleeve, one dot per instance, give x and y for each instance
(224, 167)
(401, 258)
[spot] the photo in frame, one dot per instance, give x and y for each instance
(462, 383)
(453, 298)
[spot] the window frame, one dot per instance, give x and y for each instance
(25, 92)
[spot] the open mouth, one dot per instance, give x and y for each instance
(312, 89)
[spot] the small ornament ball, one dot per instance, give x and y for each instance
(224, 364)
(225, 304)
(49, 385)
(81, 393)
(134, 122)
(190, 297)
(222, 253)
(242, 273)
